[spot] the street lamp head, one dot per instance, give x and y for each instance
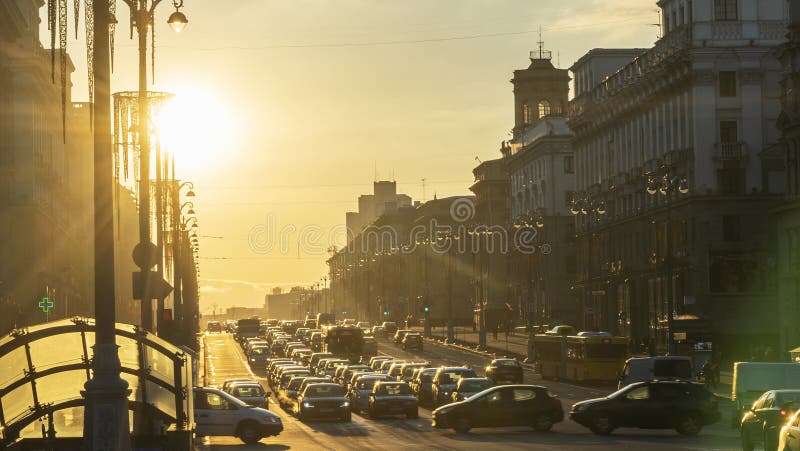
(190, 194)
(177, 21)
(683, 187)
(652, 187)
(601, 209)
(574, 209)
(663, 190)
(190, 212)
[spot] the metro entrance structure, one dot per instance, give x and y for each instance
(43, 369)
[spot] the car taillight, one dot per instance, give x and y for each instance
(783, 412)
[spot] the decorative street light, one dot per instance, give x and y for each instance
(666, 185)
(587, 207)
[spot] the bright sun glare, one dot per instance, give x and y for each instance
(197, 128)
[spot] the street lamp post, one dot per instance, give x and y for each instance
(105, 424)
(665, 186)
(588, 207)
(143, 14)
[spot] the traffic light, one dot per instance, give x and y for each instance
(385, 313)
(426, 308)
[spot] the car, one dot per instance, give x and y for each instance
(789, 435)
(643, 369)
(300, 333)
(378, 332)
(324, 400)
(470, 386)
(214, 327)
(683, 406)
(316, 357)
(361, 388)
(286, 376)
(251, 393)
(387, 364)
(504, 371)
(412, 341)
(504, 405)
(390, 327)
(422, 385)
(389, 398)
(365, 326)
(347, 375)
(258, 357)
(316, 341)
(375, 361)
(761, 424)
(218, 413)
(287, 395)
(280, 370)
(396, 369)
(228, 382)
(444, 382)
(332, 365)
(399, 335)
(407, 370)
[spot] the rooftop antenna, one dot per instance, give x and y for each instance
(541, 42)
(423, 189)
(543, 54)
(558, 59)
(658, 35)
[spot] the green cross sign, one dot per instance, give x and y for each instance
(46, 304)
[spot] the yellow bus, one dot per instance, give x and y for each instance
(589, 356)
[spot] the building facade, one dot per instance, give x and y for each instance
(45, 181)
(674, 176)
(384, 199)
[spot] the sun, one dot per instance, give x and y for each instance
(197, 128)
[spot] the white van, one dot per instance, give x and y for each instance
(645, 369)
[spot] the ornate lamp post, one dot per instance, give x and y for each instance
(592, 210)
(666, 185)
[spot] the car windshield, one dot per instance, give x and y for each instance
(455, 376)
(475, 386)
(248, 391)
(295, 383)
(506, 363)
(260, 351)
(367, 384)
(323, 391)
(394, 389)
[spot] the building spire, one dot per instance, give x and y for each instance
(542, 53)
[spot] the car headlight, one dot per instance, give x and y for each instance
(447, 393)
(308, 405)
(345, 404)
(579, 407)
(271, 419)
(252, 359)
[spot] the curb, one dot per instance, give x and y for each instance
(490, 352)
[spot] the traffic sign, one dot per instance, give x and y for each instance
(159, 288)
(145, 255)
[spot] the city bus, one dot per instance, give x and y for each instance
(589, 356)
(345, 342)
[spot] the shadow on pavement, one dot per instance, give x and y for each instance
(258, 446)
(337, 428)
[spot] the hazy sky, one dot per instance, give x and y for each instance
(294, 105)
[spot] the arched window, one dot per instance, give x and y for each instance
(526, 113)
(544, 108)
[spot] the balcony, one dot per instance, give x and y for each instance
(730, 150)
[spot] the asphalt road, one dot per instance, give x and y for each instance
(226, 360)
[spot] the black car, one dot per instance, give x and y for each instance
(504, 371)
(763, 421)
(683, 406)
(444, 382)
(505, 405)
(412, 341)
(326, 400)
(388, 398)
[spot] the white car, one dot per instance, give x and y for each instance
(218, 413)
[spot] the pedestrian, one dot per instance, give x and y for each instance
(495, 330)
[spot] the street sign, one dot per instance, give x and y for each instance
(159, 288)
(145, 254)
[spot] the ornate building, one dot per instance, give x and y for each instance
(674, 176)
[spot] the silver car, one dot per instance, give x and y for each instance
(251, 393)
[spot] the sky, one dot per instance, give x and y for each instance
(287, 111)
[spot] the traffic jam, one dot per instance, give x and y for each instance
(331, 371)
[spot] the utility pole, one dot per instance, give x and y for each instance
(105, 420)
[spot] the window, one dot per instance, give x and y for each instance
(731, 228)
(727, 83)
(498, 397)
(521, 395)
(544, 108)
(215, 402)
(726, 10)
(569, 164)
(639, 393)
(670, 391)
(728, 132)
(526, 113)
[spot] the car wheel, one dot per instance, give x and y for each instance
(602, 425)
(249, 434)
(412, 414)
(689, 425)
(462, 426)
(542, 423)
(747, 443)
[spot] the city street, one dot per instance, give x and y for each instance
(226, 360)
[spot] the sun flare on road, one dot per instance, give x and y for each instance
(198, 128)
